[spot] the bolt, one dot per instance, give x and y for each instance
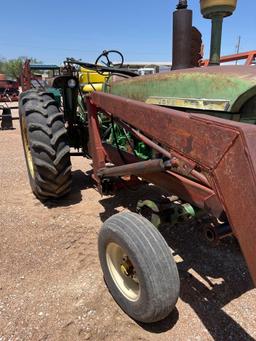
(175, 162)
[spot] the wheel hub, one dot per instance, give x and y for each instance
(122, 272)
(128, 269)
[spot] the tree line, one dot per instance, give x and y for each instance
(12, 67)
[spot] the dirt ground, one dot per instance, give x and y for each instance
(51, 284)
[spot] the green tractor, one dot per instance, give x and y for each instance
(182, 130)
(53, 118)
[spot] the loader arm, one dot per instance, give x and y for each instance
(222, 151)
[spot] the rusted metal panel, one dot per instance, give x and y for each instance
(96, 149)
(236, 184)
(173, 128)
(188, 190)
(182, 165)
(197, 48)
(225, 150)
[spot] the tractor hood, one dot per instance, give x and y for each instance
(217, 88)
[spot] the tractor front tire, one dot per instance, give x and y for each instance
(138, 267)
(45, 144)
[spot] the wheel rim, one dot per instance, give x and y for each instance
(122, 272)
(27, 149)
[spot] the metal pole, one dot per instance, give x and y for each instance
(238, 46)
(216, 34)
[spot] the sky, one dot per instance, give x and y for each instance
(52, 30)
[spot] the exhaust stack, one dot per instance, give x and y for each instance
(182, 36)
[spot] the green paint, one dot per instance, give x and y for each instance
(56, 93)
(235, 84)
(173, 213)
(127, 142)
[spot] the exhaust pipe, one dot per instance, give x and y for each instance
(182, 37)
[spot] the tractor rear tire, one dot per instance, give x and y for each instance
(138, 267)
(45, 145)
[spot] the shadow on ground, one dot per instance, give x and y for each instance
(161, 326)
(200, 262)
(80, 181)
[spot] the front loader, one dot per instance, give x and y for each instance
(190, 131)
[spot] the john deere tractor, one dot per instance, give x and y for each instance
(183, 130)
(49, 131)
(50, 127)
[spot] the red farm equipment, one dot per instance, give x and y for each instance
(190, 131)
(248, 58)
(9, 90)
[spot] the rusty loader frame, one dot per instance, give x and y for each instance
(248, 57)
(212, 162)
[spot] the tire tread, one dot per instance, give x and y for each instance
(155, 260)
(48, 144)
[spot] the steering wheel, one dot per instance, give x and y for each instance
(106, 59)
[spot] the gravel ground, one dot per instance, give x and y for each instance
(51, 285)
